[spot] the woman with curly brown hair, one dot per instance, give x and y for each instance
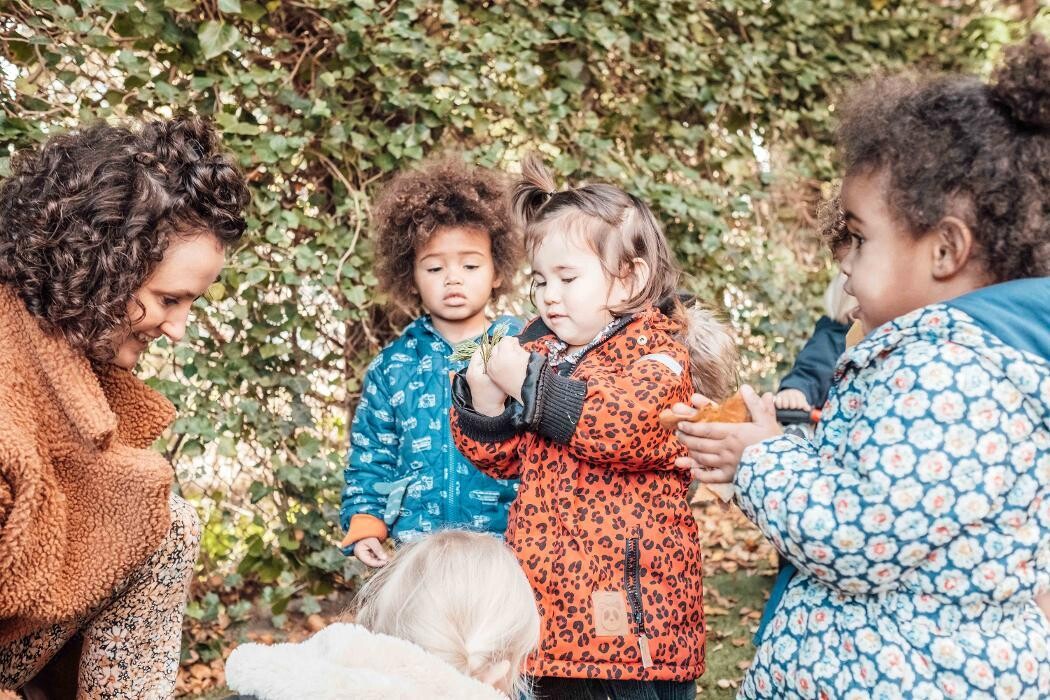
(444, 241)
(107, 236)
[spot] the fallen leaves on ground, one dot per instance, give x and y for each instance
(729, 541)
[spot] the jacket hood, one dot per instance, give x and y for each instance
(347, 661)
(1016, 312)
(1012, 317)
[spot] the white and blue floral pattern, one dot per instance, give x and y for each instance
(919, 520)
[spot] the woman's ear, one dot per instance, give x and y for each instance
(953, 247)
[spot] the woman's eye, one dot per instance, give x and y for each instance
(171, 301)
(855, 239)
(539, 284)
(567, 281)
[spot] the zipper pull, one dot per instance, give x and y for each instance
(643, 647)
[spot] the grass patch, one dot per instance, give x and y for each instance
(732, 602)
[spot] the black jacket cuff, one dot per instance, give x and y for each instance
(551, 404)
(477, 426)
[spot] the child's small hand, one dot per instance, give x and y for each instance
(487, 397)
(715, 448)
(792, 399)
(371, 553)
(508, 365)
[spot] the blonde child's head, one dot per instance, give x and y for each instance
(596, 253)
(462, 597)
(713, 356)
(838, 304)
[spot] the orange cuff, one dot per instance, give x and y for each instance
(362, 526)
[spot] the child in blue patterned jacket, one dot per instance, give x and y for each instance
(445, 240)
(919, 519)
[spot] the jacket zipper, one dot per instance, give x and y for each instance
(450, 466)
(632, 584)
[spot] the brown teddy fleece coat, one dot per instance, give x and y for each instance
(83, 500)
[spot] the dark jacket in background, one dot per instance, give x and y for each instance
(816, 361)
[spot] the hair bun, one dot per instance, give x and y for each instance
(1022, 84)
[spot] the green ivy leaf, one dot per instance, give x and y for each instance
(217, 38)
(180, 5)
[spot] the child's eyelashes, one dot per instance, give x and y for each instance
(469, 268)
(170, 301)
(567, 280)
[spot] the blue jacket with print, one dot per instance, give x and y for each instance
(919, 519)
(403, 466)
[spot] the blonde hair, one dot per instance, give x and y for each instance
(838, 304)
(616, 225)
(462, 597)
(713, 356)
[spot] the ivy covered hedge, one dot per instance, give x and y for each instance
(717, 113)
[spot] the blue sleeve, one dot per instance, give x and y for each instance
(372, 466)
(815, 364)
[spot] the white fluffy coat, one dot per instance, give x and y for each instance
(347, 661)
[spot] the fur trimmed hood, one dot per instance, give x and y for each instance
(345, 661)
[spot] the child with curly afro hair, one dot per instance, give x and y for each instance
(445, 241)
(919, 518)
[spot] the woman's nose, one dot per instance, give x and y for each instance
(175, 328)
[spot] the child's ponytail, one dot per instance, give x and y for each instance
(1022, 85)
(533, 191)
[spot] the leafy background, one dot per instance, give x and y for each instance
(718, 113)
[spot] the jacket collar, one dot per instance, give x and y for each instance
(1015, 314)
(97, 405)
(647, 319)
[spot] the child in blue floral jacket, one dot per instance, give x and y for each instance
(444, 240)
(920, 518)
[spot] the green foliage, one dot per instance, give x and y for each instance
(719, 114)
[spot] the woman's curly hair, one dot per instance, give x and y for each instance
(954, 145)
(442, 193)
(85, 218)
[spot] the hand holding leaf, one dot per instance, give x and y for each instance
(466, 349)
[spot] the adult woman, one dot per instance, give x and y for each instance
(107, 236)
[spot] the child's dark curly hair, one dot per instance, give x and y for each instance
(442, 193)
(831, 221)
(953, 145)
(86, 217)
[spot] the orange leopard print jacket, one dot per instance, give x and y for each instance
(601, 524)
